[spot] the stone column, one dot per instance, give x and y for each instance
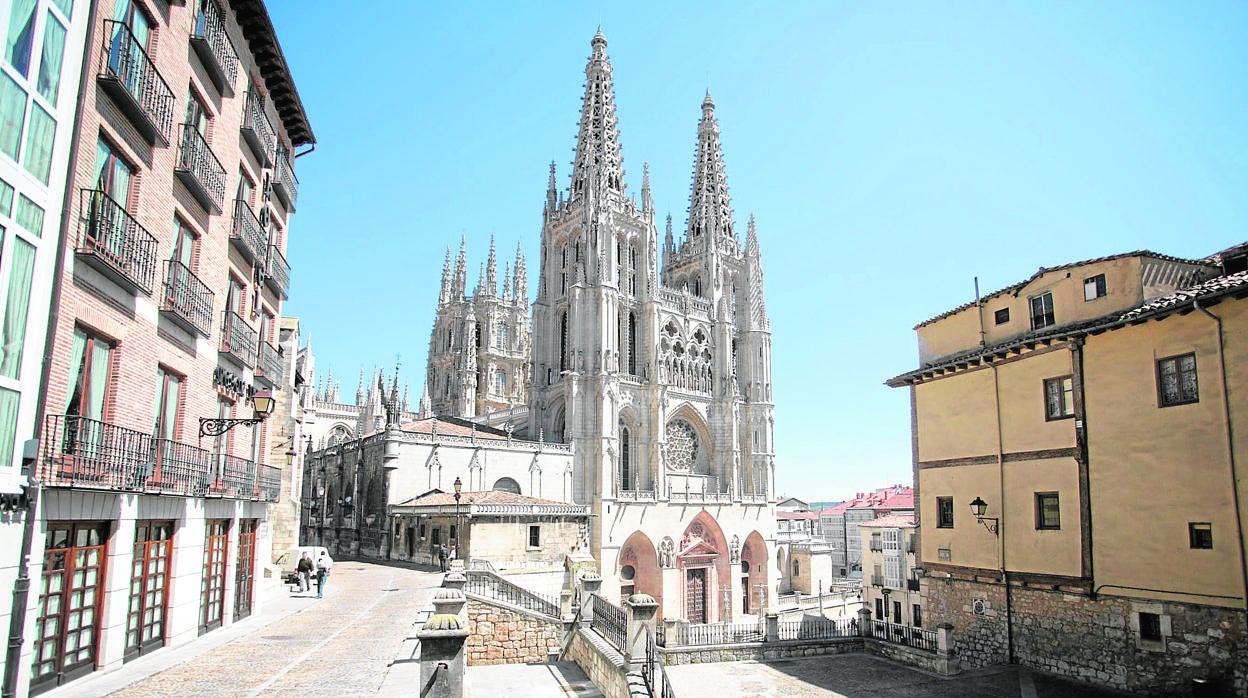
(773, 627)
(864, 622)
(641, 610)
(591, 583)
(454, 580)
(442, 643)
(565, 604)
(672, 631)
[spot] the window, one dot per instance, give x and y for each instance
(1002, 316)
(90, 358)
(1150, 627)
(245, 189)
(1042, 311)
(1200, 535)
(626, 459)
(1094, 287)
(916, 616)
(1176, 380)
(535, 536)
(1059, 398)
(879, 609)
(797, 569)
(437, 536)
(500, 382)
(944, 512)
(196, 115)
(423, 530)
(35, 32)
(1048, 514)
(454, 532)
(168, 390)
(16, 303)
(112, 174)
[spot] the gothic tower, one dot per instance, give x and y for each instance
(478, 349)
(658, 375)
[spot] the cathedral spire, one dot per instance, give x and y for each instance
(710, 209)
(669, 245)
(461, 271)
(754, 277)
(521, 292)
(598, 165)
(552, 196)
(445, 296)
(491, 272)
(507, 282)
(646, 204)
(359, 392)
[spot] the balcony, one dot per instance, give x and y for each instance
(200, 170)
(248, 234)
(216, 51)
(187, 300)
(269, 483)
(112, 241)
(285, 183)
(912, 585)
(877, 580)
(877, 546)
(238, 339)
(278, 276)
(128, 76)
(269, 369)
(257, 130)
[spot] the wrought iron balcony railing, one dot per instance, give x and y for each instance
(270, 365)
(285, 183)
(129, 77)
(877, 580)
(216, 51)
(248, 234)
(187, 300)
(238, 339)
(200, 170)
(257, 130)
(278, 276)
(113, 242)
(877, 546)
(235, 477)
(270, 483)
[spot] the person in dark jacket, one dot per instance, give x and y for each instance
(305, 572)
(442, 556)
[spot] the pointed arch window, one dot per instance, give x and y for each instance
(563, 341)
(632, 344)
(626, 458)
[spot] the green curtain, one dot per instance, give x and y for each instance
(40, 137)
(21, 37)
(50, 63)
(17, 303)
(9, 400)
(100, 355)
(12, 115)
(76, 350)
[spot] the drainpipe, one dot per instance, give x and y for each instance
(1230, 448)
(1001, 527)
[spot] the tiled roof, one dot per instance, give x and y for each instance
(451, 427)
(1044, 270)
(466, 498)
(894, 521)
(1212, 290)
(892, 497)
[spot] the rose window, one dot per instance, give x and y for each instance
(682, 446)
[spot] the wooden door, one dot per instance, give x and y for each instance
(244, 575)
(695, 595)
(70, 597)
(212, 589)
(149, 588)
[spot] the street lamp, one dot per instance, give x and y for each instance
(978, 507)
(262, 405)
(459, 488)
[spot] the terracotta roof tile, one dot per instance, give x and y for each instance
(794, 515)
(894, 521)
(466, 498)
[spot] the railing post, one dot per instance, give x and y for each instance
(772, 633)
(944, 640)
(640, 620)
(671, 632)
(454, 580)
(591, 584)
(864, 622)
(442, 641)
(565, 603)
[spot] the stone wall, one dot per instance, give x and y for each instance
(1095, 640)
(601, 662)
(784, 649)
(502, 635)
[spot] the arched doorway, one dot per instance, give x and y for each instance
(638, 569)
(702, 559)
(753, 573)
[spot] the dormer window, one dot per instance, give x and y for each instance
(1042, 311)
(1094, 287)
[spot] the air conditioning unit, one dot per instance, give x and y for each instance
(980, 606)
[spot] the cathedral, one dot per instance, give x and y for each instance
(656, 372)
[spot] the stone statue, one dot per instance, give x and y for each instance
(734, 550)
(667, 553)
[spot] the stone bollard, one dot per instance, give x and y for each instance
(772, 632)
(672, 632)
(640, 620)
(864, 622)
(442, 641)
(797, 599)
(454, 580)
(565, 604)
(591, 583)
(947, 661)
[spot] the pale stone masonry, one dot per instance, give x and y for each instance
(498, 635)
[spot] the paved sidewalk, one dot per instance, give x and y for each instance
(530, 681)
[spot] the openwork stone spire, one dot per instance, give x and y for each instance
(710, 209)
(754, 277)
(460, 279)
(445, 296)
(598, 165)
(521, 292)
(491, 272)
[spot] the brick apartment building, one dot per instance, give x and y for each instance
(180, 186)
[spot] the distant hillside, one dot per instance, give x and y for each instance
(816, 506)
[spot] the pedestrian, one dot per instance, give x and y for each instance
(323, 566)
(442, 556)
(305, 572)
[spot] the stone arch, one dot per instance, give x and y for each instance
(554, 432)
(338, 433)
(506, 484)
(638, 552)
(703, 562)
(753, 572)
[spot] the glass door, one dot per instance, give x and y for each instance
(246, 568)
(212, 589)
(70, 597)
(149, 588)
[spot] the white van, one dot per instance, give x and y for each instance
(288, 561)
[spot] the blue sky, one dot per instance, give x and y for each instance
(891, 152)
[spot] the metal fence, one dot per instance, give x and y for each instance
(609, 622)
(902, 634)
(716, 634)
(654, 673)
(493, 586)
(817, 629)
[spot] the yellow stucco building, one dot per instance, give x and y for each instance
(1094, 415)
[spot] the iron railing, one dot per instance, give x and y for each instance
(200, 169)
(912, 585)
(719, 634)
(238, 339)
(877, 546)
(654, 673)
(113, 241)
(609, 622)
(270, 483)
(877, 580)
(902, 634)
(812, 628)
(270, 364)
(278, 277)
(248, 234)
(214, 47)
(91, 454)
(188, 300)
(130, 77)
(494, 586)
(257, 130)
(285, 183)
